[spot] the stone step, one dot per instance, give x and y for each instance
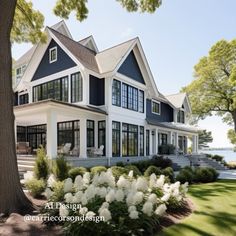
(23, 168)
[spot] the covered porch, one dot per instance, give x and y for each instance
(54, 124)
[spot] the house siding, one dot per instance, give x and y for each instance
(96, 91)
(166, 114)
(131, 68)
(46, 68)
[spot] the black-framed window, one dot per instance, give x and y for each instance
(115, 138)
(147, 142)
(21, 134)
(180, 117)
(36, 135)
(162, 138)
(53, 54)
(141, 101)
(24, 99)
(76, 87)
(116, 92)
(129, 140)
(156, 107)
(141, 141)
(90, 133)
(129, 97)
(69, 132)
(56, 89)
(102, 135)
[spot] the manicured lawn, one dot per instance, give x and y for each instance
(215, 211)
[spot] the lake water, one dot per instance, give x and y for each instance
(229, 155)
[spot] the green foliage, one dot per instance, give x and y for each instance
(218, 158)
(214, 88)
(168, 172)
(60, 168)
(76, 171)
(166, 149)
(120, 163)
(152, 169)
(117, 171)
(185, 175)
(142, 165)
(97, 169)
(161, 162)
(58, 192)
(136, 171)
(205, 175)
(204, 137)
(231, 136)
(41, 168)
(35, 186)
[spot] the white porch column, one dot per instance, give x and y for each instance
(170, 137)
(15, 129)
(51, 134)
(197, 143)
(194, 144)
(83, 138)
(176, 141)
(108, 137)
(157, 142)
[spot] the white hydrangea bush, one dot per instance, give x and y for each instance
(128, 206)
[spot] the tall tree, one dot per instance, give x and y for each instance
(232, 136)
(19, 22)
(204, 137)
(214, 89)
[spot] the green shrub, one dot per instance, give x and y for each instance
(168, 171)
(134, 168)
(117, 171)
(97, 169)
(142, 165)
(218, 158)
(58, 192)
(161, 162)
(120, 163)
(214, 173)
(203, 175)
(35, 186)
(166, 149)
(185, 175)
(60, 168)
(152, 169)
(76, 171)
(41, 167)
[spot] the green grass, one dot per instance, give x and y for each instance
(214, 214)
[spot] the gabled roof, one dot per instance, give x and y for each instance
(90, 43)
(83, 54)
(177, 99)
(108, 59)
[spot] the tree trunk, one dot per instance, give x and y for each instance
(12, 197)
(233, 113)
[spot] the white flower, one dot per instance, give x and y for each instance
(184, 187)
(152, 180)
(132, 208)
(166, 197)
(175, 192)
(102, 192)
(119, 195)
(86, 178)
(68, 185)
(63, 211)
(83, 210)
(90, 214)
(51, 181)
(103, 206)
(48, 193)
(78, 196)
(84, 200)
(147, 208)
(141, 184)
(166, 188)
(178, 198)
(79, 183)
(133, 215)
(138, 198)
(28, 175)
(160, 182)
(68, 198)
(110, 197)
(90, 192)
(130, 198)
(123, 183)
(161, 209)
(152, 198)
(105, 213)
(131, 174)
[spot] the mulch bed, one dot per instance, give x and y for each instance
(15, 224)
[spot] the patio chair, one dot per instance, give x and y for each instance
(65, 149)
(23, 148)
(75, 151)
(99, 151)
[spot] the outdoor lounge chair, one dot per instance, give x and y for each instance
(65, 150)
(23, 148)
(99, 151)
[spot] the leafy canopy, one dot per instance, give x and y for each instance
(204, 137)
(28, 23)
(214, 87)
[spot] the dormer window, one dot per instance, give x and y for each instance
(181, 117)
(52, 54)
(156, 107)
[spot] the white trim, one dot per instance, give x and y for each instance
(50, 55)
(155, 101)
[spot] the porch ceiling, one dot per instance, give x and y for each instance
(36, 113)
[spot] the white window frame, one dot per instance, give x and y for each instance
(159, 107)
(50, 50)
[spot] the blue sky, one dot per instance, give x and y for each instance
(174, 38)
